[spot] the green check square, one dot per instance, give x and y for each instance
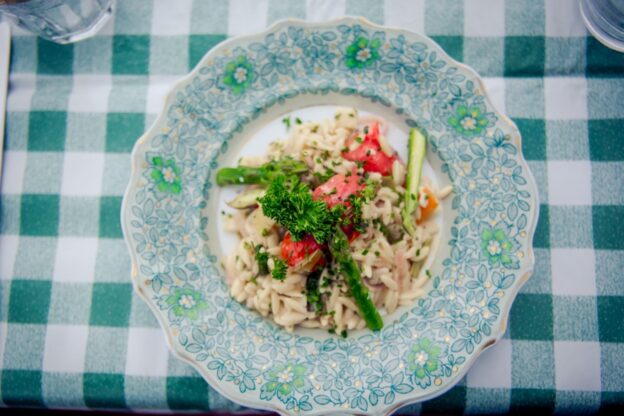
(25, 344)
(575, 318)
(609, 266)
(104, 390)
(484, 401)
(612, 366)
(21, 388)
(29, 301)
(608, 225)
(541, 279)
(605, 139)
(106, 349)
(63, 390)
(41, 248)
(112, 263)
(46, 130)
(565, 56)
(16, 130)
(524, 56)
(41, 168)
(39, 215)
(529, 372)
(611, 318)
(110, 225)
(567, 140)
(485, 55)
(141, 315)
(602, 61)
(533, 133)
(23, 54)
(611, 403)
(53, 58)
(542, 231)
(562, 234)
(452, 45)
(78, 216)
(110, 305)
(539, 169)
(451, 402)
(211, 16)
(10, 206)
(187, 393)
(123, 130)
(5, 293)
(142, 392)
(93, 55)
(199, 45)
(532, 401)
(372, 10)
(70, 303)
(524, 17)
(291, 9)
(444, 17)
(532, 317)
(162, 48)
(131, 54)
(86, 132)
(570, 402)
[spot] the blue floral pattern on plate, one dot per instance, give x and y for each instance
(491, 222)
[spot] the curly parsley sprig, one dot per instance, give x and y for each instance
(289, 202)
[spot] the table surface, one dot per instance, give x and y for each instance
(73, 333)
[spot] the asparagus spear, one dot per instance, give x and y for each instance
(416, 150)
(339, 247)
(265, 174)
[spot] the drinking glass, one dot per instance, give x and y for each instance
(605, 20)
(61, 21)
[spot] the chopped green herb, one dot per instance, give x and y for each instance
(343, 333)
(286, 121)
(359, 139)
(290, 203)
(265, 232)
(377, 253)
(313, 293)
(298, 120)
(262, 257)
(279, 270)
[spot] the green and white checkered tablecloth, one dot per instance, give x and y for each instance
(73, 334)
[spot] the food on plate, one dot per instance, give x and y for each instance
(334, 227)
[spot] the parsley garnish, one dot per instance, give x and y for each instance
(286, 121)
(262, 257)
(279, 271)
(290, 203)
(313, 293)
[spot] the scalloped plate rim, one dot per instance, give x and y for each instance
(241, 398)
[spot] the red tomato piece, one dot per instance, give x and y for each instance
(339, 188)
(369, 152)
(294, 252)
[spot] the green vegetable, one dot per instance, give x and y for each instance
(416, 151)
(290, 203)
(286, 121)
(313, 293)
(246, 199)
(279, 271)
(339, 247)
(262, 257)
(265, 174)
